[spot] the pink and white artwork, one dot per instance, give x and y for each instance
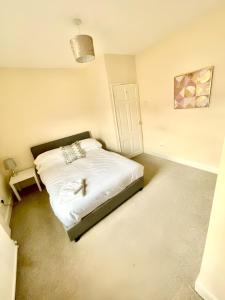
(192, 90)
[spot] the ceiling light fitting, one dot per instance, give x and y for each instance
(82, 46)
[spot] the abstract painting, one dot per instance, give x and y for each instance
(192, 90)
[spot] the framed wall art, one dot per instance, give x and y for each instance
(192, 90)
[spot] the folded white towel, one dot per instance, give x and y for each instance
(72, 189)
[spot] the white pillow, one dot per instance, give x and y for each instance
(90, 144)
(48, 155)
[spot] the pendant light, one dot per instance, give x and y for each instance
(82, 46)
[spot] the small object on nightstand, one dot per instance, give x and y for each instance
(10, 165)
(21, 176)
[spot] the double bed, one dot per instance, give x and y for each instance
(110, 179)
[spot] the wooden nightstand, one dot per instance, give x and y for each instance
(21, 176)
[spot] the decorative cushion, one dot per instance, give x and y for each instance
(72, 152)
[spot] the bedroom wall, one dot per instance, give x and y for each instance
(39, 105)
(99, 94)
(120, 68)
(5, 211)
(193, 136)
(210, 282)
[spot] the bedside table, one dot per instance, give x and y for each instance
(21, 176)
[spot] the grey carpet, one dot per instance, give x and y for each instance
(149, 248)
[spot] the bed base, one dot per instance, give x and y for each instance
(103, 210)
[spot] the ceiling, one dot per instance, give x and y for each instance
(36, 33)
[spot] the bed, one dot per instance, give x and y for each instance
(111, 180)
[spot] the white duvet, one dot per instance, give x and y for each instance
(106, 174)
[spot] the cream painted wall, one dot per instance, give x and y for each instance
(5, 211)
(99, 93)
(192, 135)
(39, 105)
(120, 68)
(210, 283)
(4, 190)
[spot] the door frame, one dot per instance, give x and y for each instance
(115, 116)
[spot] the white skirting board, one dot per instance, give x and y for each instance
(8, 214)
(185, 162)
(203, 292)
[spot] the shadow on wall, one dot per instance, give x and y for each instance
(103, 143)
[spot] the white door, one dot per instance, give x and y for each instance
(8, 262)
(128, 118)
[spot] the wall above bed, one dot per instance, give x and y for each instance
(40, 105)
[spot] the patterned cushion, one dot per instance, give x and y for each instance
(72, 152)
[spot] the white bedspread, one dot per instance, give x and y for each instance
(106, 174)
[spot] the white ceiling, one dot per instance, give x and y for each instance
(36, 33)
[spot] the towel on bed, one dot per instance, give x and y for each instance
(76, 188)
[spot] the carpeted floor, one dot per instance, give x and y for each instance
(150, 248)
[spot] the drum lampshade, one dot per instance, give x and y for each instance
(82, 47)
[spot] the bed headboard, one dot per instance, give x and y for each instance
(36, 150)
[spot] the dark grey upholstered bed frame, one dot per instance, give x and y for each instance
(103, 210)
